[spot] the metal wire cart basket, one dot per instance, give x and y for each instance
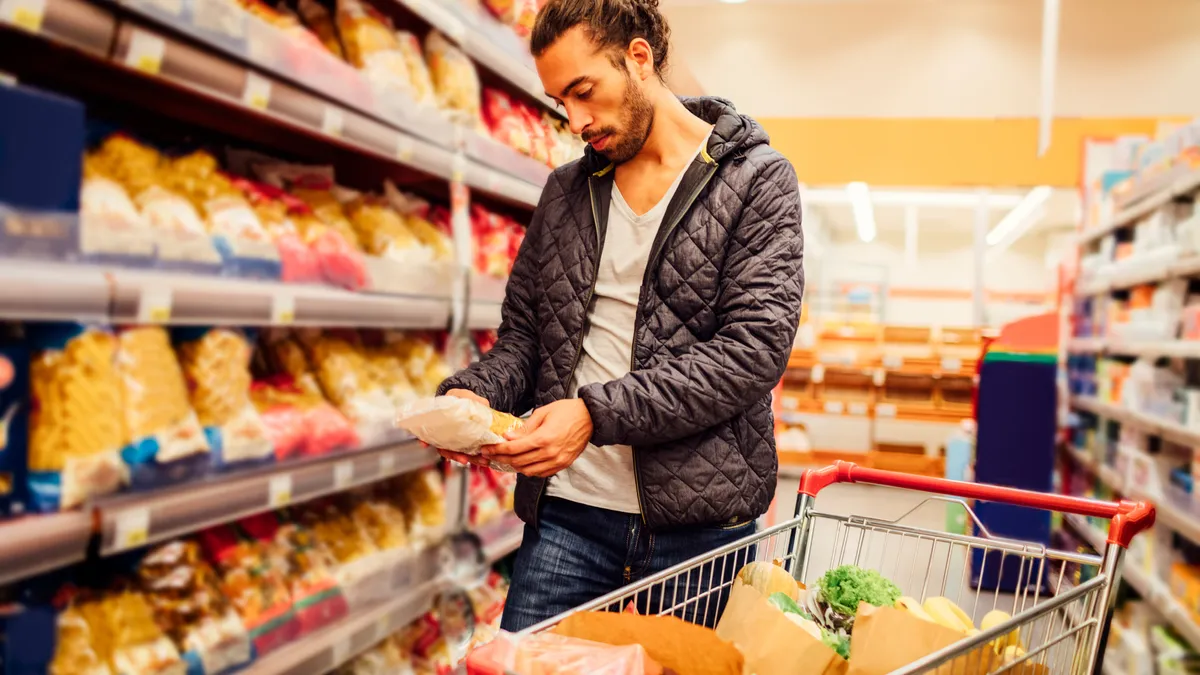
(1061, 626)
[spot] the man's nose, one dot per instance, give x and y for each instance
(577, 119)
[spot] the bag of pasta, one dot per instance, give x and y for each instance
(383, 231)
(425, 365)
(416, 216)
(341, 368)
(418, 72)
(318, 20)
(454, 80)
(372, 47)
(76, 425)
(110, 224)
(300, 263)
(216, 365)
(125, 636)
(165, 443)
(457, 424)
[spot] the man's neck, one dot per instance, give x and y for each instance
(674, 136)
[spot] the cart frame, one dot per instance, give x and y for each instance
(1063, 632)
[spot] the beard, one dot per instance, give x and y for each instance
(635, 126)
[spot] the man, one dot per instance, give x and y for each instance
(650, 312)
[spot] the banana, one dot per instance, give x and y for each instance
(995, 618)
(948, 614)
(913, 606)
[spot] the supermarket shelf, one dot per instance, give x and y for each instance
(1168, 514)
(1153, 590)
(133, 520)
(219, 91)
(487, 294)
(1180, 187)
(1170, 431)
(59, 291)
(1182, 349)
(1132, 273)
(40, 543)
(413, 585)
(501, 536)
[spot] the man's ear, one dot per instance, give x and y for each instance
(641, 58)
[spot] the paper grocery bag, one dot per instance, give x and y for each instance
(770, 643)
(885, 639)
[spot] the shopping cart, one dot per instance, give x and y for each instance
(1062, 625)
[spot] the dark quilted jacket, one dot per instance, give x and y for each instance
(719, 308)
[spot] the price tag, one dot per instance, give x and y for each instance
(257, 93)
(405, 148)
(341, 652)
(818, 373)
(145, 52)
(283, 309)
(334, 120)
(155, 305)
(950, 363)
(879, 377)
(132, 529)
(458, 168)
(893, 361)
(343, 474)
(24, 14)
(279, 490)
(834, 407)
(387, 463)
(858, 408)
(885, 410)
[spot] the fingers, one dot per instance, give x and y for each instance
(542, 469)
(459, 457)
(518, 446)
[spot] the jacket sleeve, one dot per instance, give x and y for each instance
(506, 375)
(761, 286)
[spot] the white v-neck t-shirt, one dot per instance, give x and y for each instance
(603, 476)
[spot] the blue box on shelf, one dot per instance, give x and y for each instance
(14, 428)
(41, 143)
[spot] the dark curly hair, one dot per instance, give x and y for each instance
(612, 24)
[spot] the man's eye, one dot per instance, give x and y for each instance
(584, 95)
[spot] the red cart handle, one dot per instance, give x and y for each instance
(1128, 517)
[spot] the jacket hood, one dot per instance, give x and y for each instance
(733, 133)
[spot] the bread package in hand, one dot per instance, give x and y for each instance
(456, 424)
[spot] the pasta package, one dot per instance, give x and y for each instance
(372, 46)
(110, 224)
(384, 232)
(454, 80)
(418, 72)
(216, 366)
(123, 634)
(184, 592)
(319, 21)
(456, 424)
(342, 369)
(422, 497)
(425, 366)
(76, 424)
(165, 443)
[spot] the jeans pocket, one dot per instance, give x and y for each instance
(734, 526)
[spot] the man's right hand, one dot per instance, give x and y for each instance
(459, 457)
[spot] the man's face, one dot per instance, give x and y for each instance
(605, 104)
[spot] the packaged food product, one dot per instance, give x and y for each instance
(325, 428)
(165, 443)
(216, 365)
(372, 47)
(300, 264)
(493, 235)
(318, 193)
(456, 424)
(539, 149)
(485, 505)
(123, 632)
(416, 216)
(422, 497)
(74, 653)
(426, 366)
(253, 577)
(14, 428)
(383, 521)
(189, 606)
(342, 370)
(320, 22)
(110, 224)
(76, 424)
(454, 80)
(423, 639)
(317, 600)
(550, 654)
(383, 231)
(418, 72)
(504, 121)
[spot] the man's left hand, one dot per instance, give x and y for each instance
(551, 440)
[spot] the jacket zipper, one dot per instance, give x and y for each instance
(660, 240)
(600, 232)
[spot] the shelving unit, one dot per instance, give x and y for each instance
(501, 537)
(1143, 202)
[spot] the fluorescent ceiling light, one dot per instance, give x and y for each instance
(967, 200)
(864, 214)
(1021, 217)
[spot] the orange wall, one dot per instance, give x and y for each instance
(942, 152)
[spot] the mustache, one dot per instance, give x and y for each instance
(593, 135)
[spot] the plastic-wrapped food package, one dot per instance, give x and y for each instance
(300, 263)
(110, 224)
(383, 521)
(216, 365)
(317, 600)
(253, 579)
(416, 216)
(124, 637)
(422, 497)
(318, 193)
(492, 234)
(165, 442)
(550, 654)
(372, 47)
(362, 571)
(388, 370)
(426, 367)
(454, 79)
(342, 370)
(418, 72)
(340, 259)
(505, 122)
(485, 505)
(383, 231)
(423, 639)
(320, 22)
(456, 424)
(188, 605)
(539, 148)
(76, 425)
(325, 428)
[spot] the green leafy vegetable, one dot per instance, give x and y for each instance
(784, 603)
(844, 587)
(836, 642)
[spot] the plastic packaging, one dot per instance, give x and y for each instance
(341, 368)
(551, 654)
(422, 497)
(418, 72)
(165, 443)
(372, 46)
(383, 231)
(216, 364)
(121, 633)
(188, 605)
(456, 424)
(319, 21)
(454, 80)
(76, 424)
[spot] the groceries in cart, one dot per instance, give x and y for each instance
(457, 424)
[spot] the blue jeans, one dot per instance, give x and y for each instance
(579, 553)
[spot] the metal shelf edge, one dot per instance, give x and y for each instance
(501, 536)
(40, 543)
(1180, 187)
